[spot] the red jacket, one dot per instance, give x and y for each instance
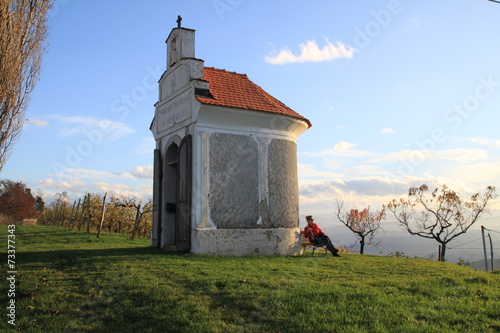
(315, 230)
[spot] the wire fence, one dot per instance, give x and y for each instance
(486, 245)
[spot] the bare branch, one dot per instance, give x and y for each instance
(364, 224)
(443, 216)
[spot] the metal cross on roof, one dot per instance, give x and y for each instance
(179, 20)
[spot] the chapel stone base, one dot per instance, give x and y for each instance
(244, 242)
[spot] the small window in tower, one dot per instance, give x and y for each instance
(174, 55)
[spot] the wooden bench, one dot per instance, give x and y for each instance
(306, 243)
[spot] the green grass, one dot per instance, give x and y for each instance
(69, 281)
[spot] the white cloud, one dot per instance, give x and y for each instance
(146, 146)
(92, 174)
(309, 171)
(367, 169)
(123, 190)
(49, 182)
(319, 197)
(461, 155)
(35, 122)
(311, 52)
(143, 172)
(477, 175)
(70, 186)
(77, 189)
(483, 141)
(145, 189)
(95, 130)
(118, 189)
(387, 131)
(343, 148)
(361, 186)
(416, 22)
(140, 172)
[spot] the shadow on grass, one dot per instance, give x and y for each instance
(119, 253)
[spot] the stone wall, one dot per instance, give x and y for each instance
(244, 242)
(234, 181)
(240, 197)
(283, 184)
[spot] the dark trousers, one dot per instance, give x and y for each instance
(323, 240)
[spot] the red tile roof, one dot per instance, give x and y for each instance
(238, 91)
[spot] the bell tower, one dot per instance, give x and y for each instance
(180, 44)
(172, 128)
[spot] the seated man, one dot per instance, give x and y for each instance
(318, 237)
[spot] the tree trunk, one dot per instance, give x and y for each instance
(362, 245)
(442, 252)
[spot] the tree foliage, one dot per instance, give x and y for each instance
(441, 214)
(23, 29)
(16, 200)
(363, 223)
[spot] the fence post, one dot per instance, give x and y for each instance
(484, 249)
(75, 218)
(102, 216)
(70, 222)
(82, 218)
(89, 215)
(138, 217)
(491, 252)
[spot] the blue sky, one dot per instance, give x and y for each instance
(400, 93)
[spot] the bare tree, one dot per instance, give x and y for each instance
(440, 215)
(23, 29)
(363, 223)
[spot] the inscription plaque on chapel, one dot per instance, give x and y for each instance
(175, 111)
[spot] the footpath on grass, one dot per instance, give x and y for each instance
(58, 280)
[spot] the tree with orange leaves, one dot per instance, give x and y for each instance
(363, 223)
(440, 215)
(16, 200)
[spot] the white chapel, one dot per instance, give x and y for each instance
(225, 171)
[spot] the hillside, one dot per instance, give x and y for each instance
(68, 281)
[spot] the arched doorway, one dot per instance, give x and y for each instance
(168, 225)
(175, 227)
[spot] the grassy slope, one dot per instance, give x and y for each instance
(72, 282)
